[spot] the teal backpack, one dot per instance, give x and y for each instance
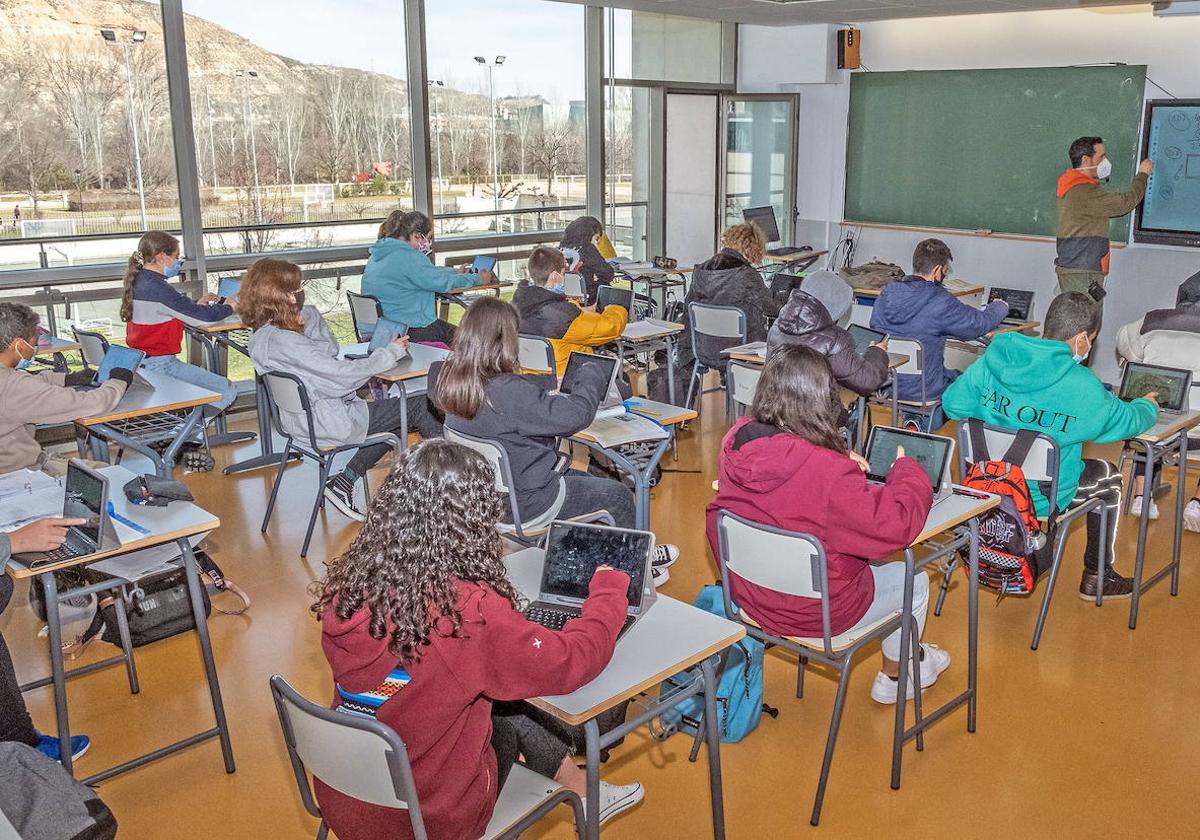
(739, 690)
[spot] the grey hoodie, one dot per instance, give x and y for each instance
(339, 414)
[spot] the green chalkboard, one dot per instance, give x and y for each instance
(982, 149)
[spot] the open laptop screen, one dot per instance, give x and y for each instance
(578, 362)
(1172, 384)
(764, 217)
(229, 287)
(609, 295)
(1019, 301)
(84, 499)
(864, 337)
(574, 550)
(930, 451)
(118, 357)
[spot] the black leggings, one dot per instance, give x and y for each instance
(519, 730)
(15, 723)
(436, 330)
(384, 416)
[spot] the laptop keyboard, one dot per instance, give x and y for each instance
(58, 555)
(555, 619)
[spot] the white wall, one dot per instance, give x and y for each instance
(1142, 276)
(691, 177)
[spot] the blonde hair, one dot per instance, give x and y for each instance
(747, 239)
(268, 295)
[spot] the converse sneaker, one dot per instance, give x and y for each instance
(660, 575)
(1136, 508)
(614, 799)
(1191, 515)
(1116, 587)
(665, 554)
(934, 660)
(339, 491)
(49, 747)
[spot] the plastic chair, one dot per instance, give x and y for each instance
(1040, 466)
(286, 392)
(94, 345)
(725, 323)
(365, 312)
(362, 758)
(573, 285)
(915, 366)
(794, 564)
(536, 355)
(743, 380)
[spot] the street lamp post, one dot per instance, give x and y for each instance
(138, 37)
(248, 117)
(491, 66)
(437, 138)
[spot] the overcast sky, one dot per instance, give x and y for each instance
(542, 41)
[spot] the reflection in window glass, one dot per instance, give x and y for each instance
(299, 118)
(655, 47)
(507, 114)
(627, 167)
(758, 143)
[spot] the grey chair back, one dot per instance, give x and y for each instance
(365, 312)
(94, 345)
(286, 392)
(908, 347)
(743, 380)
(1040, 465)
(573, 285)
(536, 354)
(353, 754)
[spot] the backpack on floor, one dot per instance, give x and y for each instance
(739, 688)
(40, 801)
(1009, 535)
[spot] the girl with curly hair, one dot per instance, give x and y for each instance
(422, 593)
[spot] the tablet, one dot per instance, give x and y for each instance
(386, 331)
(118, 357)
(482, 263)
(228, 287)
(864, 337)
(578, 362)
(1172, 384)
(608, 296)
(932, 452)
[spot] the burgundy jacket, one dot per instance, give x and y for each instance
(443, 714)
(776, 478)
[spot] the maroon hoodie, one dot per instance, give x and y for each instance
(443, 714)
(776, 478)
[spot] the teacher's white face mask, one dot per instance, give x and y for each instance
(1104, 169)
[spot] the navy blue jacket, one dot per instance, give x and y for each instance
(916, 308)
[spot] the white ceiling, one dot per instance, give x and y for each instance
(839, 11)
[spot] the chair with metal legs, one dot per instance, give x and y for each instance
(93, 346)
(360, 757)
(365, 312)
(794, 564)
(979, 441)
(286, 392)
(743, 380)
(915, 366)
(726, 324)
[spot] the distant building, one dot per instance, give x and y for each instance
(518, 114)
(577, 115)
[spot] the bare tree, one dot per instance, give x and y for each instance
(556, 149)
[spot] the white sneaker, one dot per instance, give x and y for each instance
(1191, 516)
(660, 575)
(934, 660)
(665, 554)
(1136, 508)
(615, 799)
(341, 493)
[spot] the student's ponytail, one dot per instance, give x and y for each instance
(152, 243)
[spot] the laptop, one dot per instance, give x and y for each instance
(386, 331)
(612, 405)
(1020, 303)
(86, 497)
(1173, 385)
(573, 551)
(118, 356)
(482, 263)
(227, 288)
(609, 295)
(764, 217)
(932, 452)
(864, 337)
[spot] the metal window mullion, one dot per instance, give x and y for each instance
(418, 105)
(593, 51)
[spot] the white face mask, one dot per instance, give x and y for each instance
(1104, 169)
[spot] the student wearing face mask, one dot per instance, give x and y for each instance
(155, 312)
(583, 236)
(27, 399)
(1023, 382)
(1084, 208)
(401, 274)
(546, 312)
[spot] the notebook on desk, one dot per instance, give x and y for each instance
(612, 404)
(86, 497)
(932, 452)
(573, 552)
(1020, 304)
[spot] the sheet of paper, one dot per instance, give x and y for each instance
(628, 428)
(26, 495)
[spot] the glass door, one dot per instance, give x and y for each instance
(760, 153)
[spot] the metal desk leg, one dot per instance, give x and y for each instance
(895, 401)
(58, 674)
(713, 738)
(641, 477)
(1180, 491)
(973, 625)
(268, 458)
(217, 356)
(210, 665)
(903, 676)
(1143, 526)
(670, 341)
(591, 737)
(862, 424)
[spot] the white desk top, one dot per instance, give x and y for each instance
(54, 344)
(660, 412)
(1169, 425)
(670, 637)
(954, 511)
(750, 353)
(168, 394)
(176, 520)
(413, 366)
(650, 329)
(233, 322)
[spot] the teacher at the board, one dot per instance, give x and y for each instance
(1084, 208)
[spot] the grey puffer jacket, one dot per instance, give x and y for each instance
(727, 279)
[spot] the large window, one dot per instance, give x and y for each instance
(627, 134)
(759, 138)
(655, 47)
(507, 116)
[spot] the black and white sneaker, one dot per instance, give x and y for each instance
(659, 575)
(339, 491)
(665, 554)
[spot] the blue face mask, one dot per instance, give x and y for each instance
(1080, 359)
(173, 270)
(24, 363)
(558, 290)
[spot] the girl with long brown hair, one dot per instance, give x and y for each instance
(290, 337)
(787, 466)
(421, 600)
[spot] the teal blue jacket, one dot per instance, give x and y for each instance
(405, 282)
(1033, 383)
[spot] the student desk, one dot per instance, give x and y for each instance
(641, 467)
(1027, 327)
(216, 339)
(957, 515)
(662, 280)
(1169, 434)
(148, 415)
(416, 364)
(56, 347)
(671, 637)
(807, 257)
(176, 523)
(648, 335)
(455, 295)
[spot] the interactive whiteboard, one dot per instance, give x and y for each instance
(1171, 139)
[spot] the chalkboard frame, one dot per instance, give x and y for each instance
(1161, 236)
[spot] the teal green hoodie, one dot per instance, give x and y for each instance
(405, 282)
(1034, 383)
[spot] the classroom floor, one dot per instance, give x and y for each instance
(1091, 736)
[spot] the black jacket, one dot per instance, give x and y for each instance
(544, 312)
(805, 320)
(525, 419)
(727, 279)
(596, 271)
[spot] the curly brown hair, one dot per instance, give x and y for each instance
(268, 295)
(431, 524)
(748, 240)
